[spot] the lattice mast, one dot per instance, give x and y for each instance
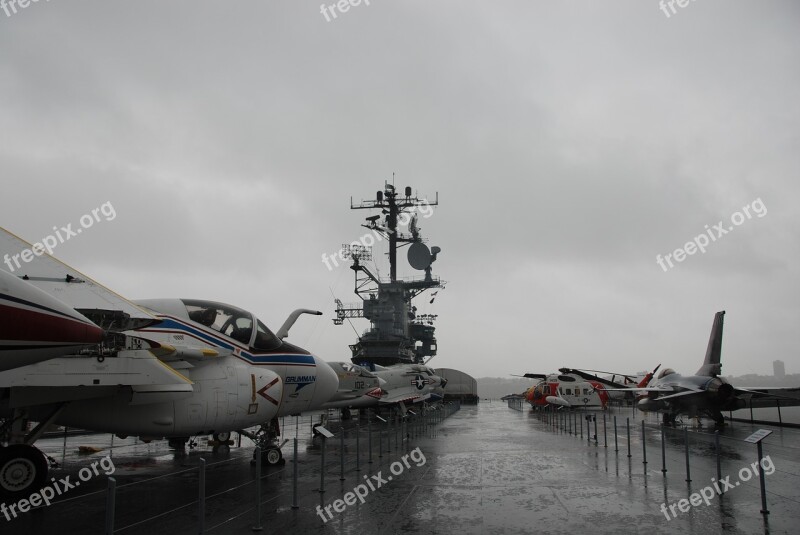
(396, 334)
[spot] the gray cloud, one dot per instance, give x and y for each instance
(570, 144)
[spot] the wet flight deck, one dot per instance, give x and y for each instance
(481, 469)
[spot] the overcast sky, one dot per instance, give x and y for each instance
(570, 143)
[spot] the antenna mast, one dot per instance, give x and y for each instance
(396, 334)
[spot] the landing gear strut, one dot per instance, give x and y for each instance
(719, 419)
(266, 438)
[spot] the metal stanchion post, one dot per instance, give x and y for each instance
(294, 478)
(369, 435)
(686, 441)
(716, 448)
(201, 506)
(605, 434)
(110, 505)
(764, 510)
(341, 453)
(616, 439)
(644, 446)
(322, 466)
(258, 527)
(594, 419)
(64, 449)
(358, 445)
(628, 427)
(663, 449)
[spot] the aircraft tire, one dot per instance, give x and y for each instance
(23, 470)
(273, 456)
(223, 437)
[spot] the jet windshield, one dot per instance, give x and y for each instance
(232, 322)
(353, 368)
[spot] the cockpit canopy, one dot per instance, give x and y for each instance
(665, 372)
(422, 369)
(354, 368)
(233, 322)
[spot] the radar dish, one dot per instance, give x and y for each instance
(419, 256)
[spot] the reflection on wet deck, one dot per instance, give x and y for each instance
(487, 469)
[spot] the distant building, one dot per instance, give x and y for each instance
(459, 386)
(778, 369)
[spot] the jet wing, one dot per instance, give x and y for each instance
(679, 394)
(74, 378)
(105, 308)
(769, 396)
(404, 395)
(643, 389)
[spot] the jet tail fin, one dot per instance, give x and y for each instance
(712, 366)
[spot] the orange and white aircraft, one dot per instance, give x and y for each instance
(577, 388)
(565, 390)
(618, 386)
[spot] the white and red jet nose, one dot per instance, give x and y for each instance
(35, 326)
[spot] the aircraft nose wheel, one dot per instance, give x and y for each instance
(223, 437)
(23, 470)
(274, 456)
(271, 456)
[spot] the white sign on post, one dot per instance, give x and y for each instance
(324, 432)
(758, 436)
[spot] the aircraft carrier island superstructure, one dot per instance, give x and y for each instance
(397, 334)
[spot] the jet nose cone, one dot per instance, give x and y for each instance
(326, 385)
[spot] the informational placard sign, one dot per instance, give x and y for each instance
(758, 436)
(324, 432)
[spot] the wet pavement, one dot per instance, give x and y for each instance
(483, 469)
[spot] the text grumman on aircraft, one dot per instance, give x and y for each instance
(167, 371)
(705, 393)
